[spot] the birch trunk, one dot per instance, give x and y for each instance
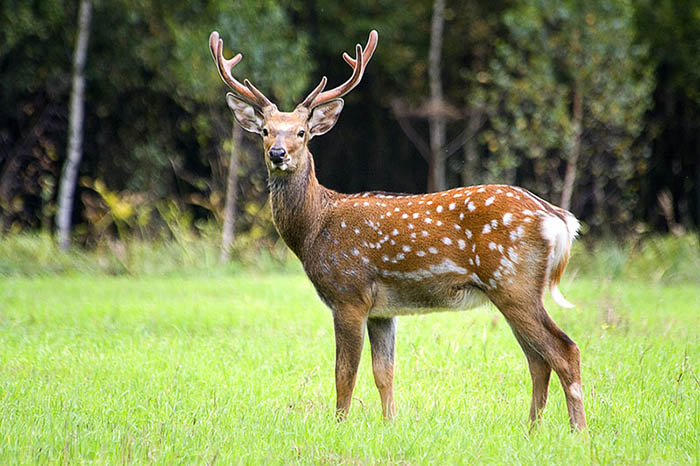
(436, 168)
(227, 234)
(69, 173)
(570, 176)
(470, 169)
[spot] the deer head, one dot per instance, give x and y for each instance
(285, 135)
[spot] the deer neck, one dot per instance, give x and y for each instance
(298, 202)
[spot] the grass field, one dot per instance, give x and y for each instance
(239, 368)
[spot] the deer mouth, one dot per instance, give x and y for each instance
(282, 166)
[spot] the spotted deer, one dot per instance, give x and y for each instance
(374, 256)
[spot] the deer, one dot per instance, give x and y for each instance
(374, 256)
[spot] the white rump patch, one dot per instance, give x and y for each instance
(559, 234)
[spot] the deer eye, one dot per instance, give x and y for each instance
(301, 133)
(265, 133)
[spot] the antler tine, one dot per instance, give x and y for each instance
(317, 90)
(368, 50)
(247, 91)
(358, 64)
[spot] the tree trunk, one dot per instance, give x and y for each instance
(436, 169)
(227, 235)
(69, 173)
(575, 151)
(470, 169)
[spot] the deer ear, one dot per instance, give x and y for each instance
(247, 115)
(324, 116)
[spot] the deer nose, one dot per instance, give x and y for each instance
(277, 154)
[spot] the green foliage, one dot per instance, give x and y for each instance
(157, 123)
(239, 369)
(556, 52)
(658, 260)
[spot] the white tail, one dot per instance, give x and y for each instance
(373, 256)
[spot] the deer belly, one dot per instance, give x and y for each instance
(394, 299)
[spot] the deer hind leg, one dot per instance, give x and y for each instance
(349, 325)
(540, 372)
(540, 337)
(382, 339)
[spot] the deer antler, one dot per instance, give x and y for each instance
(358, 65)
(246, 90)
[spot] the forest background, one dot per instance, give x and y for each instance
(593, 105)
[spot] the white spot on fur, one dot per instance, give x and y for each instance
(452, 206)
(416, 215)
(404, 216)
(406, 248)
(513, 255)
(471, 207)
(432, 250)
(490, 200)
(447, 240)
(507, 218)
(343, 224)
(420, 253)
(468, 233)
(428, 220)
(355, 252)
(461, 243)
(438, 209)
(395, 232)
(487, 229)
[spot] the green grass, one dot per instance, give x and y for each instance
(240, 369)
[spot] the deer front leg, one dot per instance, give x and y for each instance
(349, 326)
(382, 339)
